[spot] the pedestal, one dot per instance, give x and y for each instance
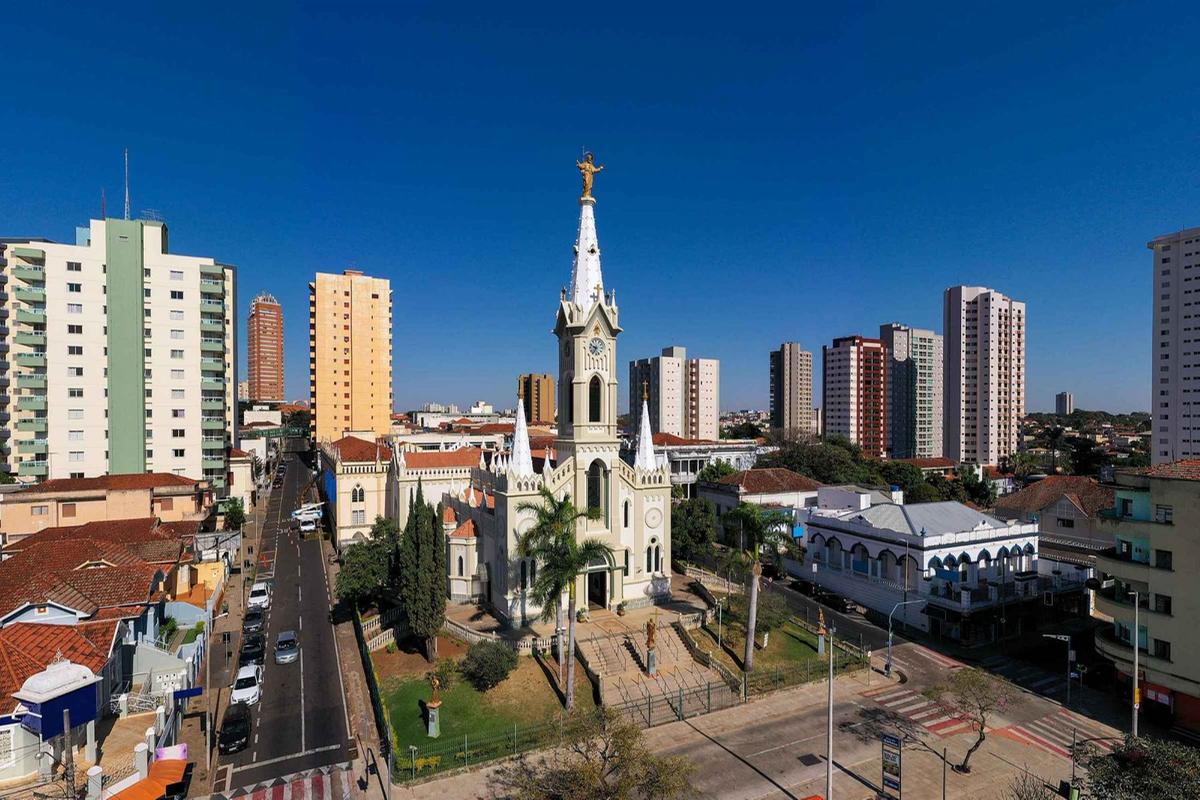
(433, 726)
(652, 662)
(821, 644)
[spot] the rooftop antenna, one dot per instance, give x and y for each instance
(126, 183)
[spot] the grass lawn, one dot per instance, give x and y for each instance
(524, 698)
(787, 647)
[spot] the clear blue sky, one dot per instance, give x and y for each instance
(798, 174)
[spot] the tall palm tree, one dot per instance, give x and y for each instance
(756, 529)
(562, 558)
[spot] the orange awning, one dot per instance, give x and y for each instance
(168, 771)
(142, 790)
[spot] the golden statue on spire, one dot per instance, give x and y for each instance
(587, 170)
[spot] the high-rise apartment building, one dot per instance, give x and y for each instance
(854, 392)
(984, 374)
(914, 380)
(349, 354)
(1064, 404)
(538, 391)
(264, 346)
(683, 393)
(792, 389)
(1175, 360)
(119, 357)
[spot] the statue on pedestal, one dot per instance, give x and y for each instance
(651, 651)
(587, 170)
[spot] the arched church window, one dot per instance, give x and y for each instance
(658, 558)
(626, 514)
(595, 485)
(649, 559)
(594, 392)
(567, 400)
(627, 562)
(460, 566)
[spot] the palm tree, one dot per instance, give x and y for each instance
(756, 528)
(562, 558)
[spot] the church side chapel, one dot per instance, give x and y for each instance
(632, 502)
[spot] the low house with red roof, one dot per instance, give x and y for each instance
(74, 501)
(1063, 505)
(775, 487)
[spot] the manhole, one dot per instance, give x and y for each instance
(810, 760)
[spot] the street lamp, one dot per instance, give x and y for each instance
(887, 669)
(1062, 637)
(829, 724)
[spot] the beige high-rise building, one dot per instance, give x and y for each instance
(264, 344)
(792, 389)
(914, 380)
(854, 392)
(984, 374)
(683, 393)
(538, 391)
(349, 354)
(1175, 359)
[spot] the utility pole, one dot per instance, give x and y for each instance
(1137, 637)
(69, 755)
(207, 703)
(829, 724)
(944, 773)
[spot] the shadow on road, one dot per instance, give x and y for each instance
(764, 775)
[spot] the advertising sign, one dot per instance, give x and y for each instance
(892, 765)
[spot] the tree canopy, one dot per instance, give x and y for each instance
(422, 572)
(1144, 769)
(715, 470)
(693, 529)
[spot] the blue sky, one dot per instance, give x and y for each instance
(792, 173)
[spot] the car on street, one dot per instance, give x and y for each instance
(253, 621)
(253, 649)
(235, 729)
(308, 526)
(805, 587)
(837, 602)
(247, 686)
(260, 596)
(287, 648)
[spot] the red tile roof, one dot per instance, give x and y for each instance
(146, 480)
(449, 517)
(1087, 493)
(237, 452)
(28, 648)
(495, 427)
(770, 481)
(466, 531)
(1186, 470)
(352, 448)
(929, 463)
(442, 459)
(670, 439)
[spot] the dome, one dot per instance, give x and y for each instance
(56, 680)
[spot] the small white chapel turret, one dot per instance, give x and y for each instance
(644, 458)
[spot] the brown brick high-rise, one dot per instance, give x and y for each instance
(264, 343)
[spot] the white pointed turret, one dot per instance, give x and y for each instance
(587, 282)
(522, 456)
(644, 459)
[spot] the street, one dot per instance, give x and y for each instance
(301, 721)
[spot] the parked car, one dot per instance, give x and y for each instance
(247, 686)
(253, 649)
(308, 526)
(260, 596)
(235, 729)
(287, 648)
(803, 586)
(253, 621)
(837, 602)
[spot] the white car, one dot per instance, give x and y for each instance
(260, 596)
(308, 526)
(247, 686)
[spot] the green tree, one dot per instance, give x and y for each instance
(979, 491)
(235, 514)
(973, 696)
(922, 493)
(948, 489)
(363, 574)
(1144, 769)
(693, 529)
(744, 430)
(899, 473)
(487, 664)
(421, 575)
(1024, 464)
(773, 612)
(553, 544)
(833, 461)
(1087, 457)
(1054, 440)
(715, 470)
(6, 478)
(604, 756)
(754, 530)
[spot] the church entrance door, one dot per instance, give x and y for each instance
(597, 589)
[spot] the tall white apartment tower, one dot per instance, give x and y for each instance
(1175, 361)
(1064, 404)
(984, 374)
(119, 356)
(683, 393)
(914, 381)
(792, 390)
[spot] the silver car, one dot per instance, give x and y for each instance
(287, 648)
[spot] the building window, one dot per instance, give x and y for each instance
(74, 266)
(1164, 513)
(74, 349)
(1063, 522)
(177, 394)
(594, 393)
(1163, 559)
(178, 453)
(74, 372)
(625, 514)
(75, 456)
(74, 436)
(74, 308)
(176, 274)
(524, 575)
(178, 433)
(1162, 649)
(74, 413)
(176, 333)
(176, 315)
(176, 294)
(358, 517)
(1162, 603)
(166, 504)
(177, 354)
(74, 329)
(595, 485)
(649, 559)
(460, 566)
(74, 288)
(39, 511)
(67, 510)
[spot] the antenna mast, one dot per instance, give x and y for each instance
(126, 183)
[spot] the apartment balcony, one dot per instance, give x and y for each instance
(30, 359)
(32, 316)
(212, 363)
(33, 469)
(31, 381)
(213, 463)
(208, 304)
(35, 425)
(31, 338)
(1111, 604)
(28, 403)
(212, 404)
(209, 286)
(30, 273)
(212, 327)
(212, 269)
(1123, 566)
(207, 345)
(32, 447)
(212, 424)
(210, 444)
(30, 294)
(1121, 651)
(212, 384)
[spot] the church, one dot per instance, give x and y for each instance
(481, 519)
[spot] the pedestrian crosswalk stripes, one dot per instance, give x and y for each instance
(323, 783)
(1055, 732)
(918, 709)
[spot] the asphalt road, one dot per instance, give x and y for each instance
(851, 627)
(300, 723)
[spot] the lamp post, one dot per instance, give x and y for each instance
(1137, 692)
(1062, 637)
(887, 669)
(829, 724)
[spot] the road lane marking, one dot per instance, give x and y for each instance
(782, 746)
(301, 699)
(269, 761)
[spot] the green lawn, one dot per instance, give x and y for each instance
(788, 646)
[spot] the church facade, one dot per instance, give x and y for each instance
(483, 523)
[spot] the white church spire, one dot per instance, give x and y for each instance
(644, 459)
(521, 463)
(587, 282)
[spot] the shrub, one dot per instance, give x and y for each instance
(446, 670)
(487, 664)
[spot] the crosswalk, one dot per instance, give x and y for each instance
(1026, 675)
(918, 709)
(1054, 733)
(325, 783)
